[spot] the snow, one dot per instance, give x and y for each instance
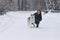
(13, 26)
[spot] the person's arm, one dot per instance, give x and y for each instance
(34, 13)
(40, 18)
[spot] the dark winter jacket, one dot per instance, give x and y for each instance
(38, 18)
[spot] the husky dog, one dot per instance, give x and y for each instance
(31, 21)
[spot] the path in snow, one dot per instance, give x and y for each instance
(13, 26)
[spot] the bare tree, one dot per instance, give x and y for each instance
(18, 4)
(3, 6)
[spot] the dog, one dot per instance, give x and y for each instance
(31, 21)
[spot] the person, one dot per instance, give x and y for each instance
(38, 17)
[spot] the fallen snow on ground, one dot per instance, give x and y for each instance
(13, 26)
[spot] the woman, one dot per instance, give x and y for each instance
(38, 17)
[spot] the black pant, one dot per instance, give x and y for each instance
(37, 23)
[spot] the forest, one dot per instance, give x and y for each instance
(25, 5)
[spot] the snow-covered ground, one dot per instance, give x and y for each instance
(13, 26)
